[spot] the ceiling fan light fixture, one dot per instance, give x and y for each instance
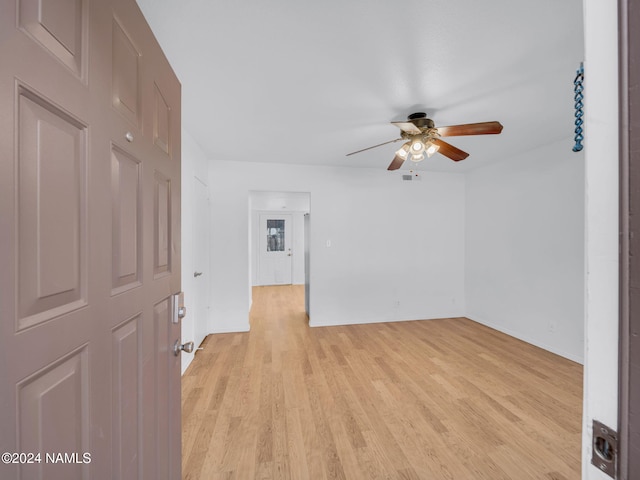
(431, 149)
(404, 151)
(417, 157)
(417, 147)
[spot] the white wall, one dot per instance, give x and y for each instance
(601, 152)
(525, 247)
(298, 247)
(276, 201)
(397, 248)
(194, 164)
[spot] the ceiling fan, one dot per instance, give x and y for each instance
(423, 138)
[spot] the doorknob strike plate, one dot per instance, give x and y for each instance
(605, 449)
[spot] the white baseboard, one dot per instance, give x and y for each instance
(575, 358)
(363, 321)
(230, 329)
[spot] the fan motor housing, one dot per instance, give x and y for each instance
(420, 120)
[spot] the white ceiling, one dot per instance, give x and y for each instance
(307, 82)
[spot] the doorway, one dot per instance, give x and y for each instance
(277, 237)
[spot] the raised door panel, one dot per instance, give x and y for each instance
(60, 27)
(52, 210)
(126, 364)
(53, 419)
(161, 121)
(126, 97)
(162, 316)
(126, 221)
(149, 437)
(161, 225)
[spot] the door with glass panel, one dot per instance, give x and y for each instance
(275, 249)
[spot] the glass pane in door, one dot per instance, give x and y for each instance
(275, 235)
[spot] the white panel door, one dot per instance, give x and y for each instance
(201, 273)
(274, 249)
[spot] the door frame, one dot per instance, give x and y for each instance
(267, 201)
(629, 201)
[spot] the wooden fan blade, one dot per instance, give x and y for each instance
(407, 127)
(375, 146)
(396, 163)
(448, 150)
(483, 128)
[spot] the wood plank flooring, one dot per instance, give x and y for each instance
(438, 399)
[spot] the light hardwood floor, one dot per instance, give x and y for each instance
(438, 399)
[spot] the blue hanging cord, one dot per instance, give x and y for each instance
(577, 97)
